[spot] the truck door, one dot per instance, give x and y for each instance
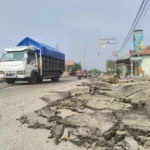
(31, 62)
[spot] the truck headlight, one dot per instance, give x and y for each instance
(20, 72)
(1, 72)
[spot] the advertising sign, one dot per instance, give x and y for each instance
(69, 63)
(103, 43)
(138, 41)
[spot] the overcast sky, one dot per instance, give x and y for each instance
(72, 24)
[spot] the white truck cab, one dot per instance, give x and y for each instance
(18, 63)
(31, 61)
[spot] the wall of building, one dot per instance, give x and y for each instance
(124, 69)
(136, 70)
(146, 64)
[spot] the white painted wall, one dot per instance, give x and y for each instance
(124, 70)
(146, 64)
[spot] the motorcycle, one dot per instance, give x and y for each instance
(79, 75)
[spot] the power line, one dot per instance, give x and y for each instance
(140, 22)
(141, 13)
(133, 28)
(144, 15)
(132, 25)
(135, 23)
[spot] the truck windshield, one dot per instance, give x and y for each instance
(13, 56)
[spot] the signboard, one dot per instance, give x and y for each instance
(69, 63)
(135, 58)
(138, 41)
(103, 43)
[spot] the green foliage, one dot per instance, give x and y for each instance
(74, 68)
(118, 70)
(110, 66)
(95, 71)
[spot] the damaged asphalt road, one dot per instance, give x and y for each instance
(95, 115)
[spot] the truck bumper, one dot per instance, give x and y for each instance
(14, 76)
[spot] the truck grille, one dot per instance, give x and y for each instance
(10, 73)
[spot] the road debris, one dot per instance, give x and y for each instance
(97, 114)
(65, 135)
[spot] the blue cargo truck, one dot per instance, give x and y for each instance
(31, 61)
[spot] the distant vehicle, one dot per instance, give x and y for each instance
(31, 61)
(81, 74)
(85, 74)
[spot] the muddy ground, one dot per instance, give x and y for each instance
(97, 115)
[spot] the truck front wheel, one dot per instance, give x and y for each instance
(33, 78)
(10, 81)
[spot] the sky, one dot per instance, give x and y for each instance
(75, 25)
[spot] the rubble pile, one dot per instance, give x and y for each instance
(97, 114)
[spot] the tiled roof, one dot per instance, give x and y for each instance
(145, 52)
(131, 53)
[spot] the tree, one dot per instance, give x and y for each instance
(74, 68)
(118, 70)
(110, 66)
(95, 71)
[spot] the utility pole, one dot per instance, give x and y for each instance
(105, 42)
(84, 57)
(81, 57)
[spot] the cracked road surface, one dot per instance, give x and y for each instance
(17, 100)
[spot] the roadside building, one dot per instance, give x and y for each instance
(129, 63)
(124, 64)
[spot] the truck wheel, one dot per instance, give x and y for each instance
(40, 79)
(33, 78)
(55, 79)
(10, 81)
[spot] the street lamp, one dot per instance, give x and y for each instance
(104, 42)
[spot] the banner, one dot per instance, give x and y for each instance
(69, 63)
(138, 41)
